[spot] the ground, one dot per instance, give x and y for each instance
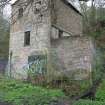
(99, 97)
(19, 93)
(13, 92)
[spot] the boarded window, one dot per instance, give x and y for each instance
(38, 63)
(20, 12)
(37, 7)
(27, 38)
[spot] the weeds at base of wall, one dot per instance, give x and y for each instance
(56, 78)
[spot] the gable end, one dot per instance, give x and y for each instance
(71, 6)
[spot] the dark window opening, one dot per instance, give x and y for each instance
(20, 12)
(38, 2)
(40, 19)
(37, 6)
(27, 38)
(37, 10)
(60, 33)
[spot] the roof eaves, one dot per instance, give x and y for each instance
(71, 6)
(15, 2)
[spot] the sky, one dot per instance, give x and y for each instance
(7, 10)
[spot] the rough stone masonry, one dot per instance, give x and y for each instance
(43, 26)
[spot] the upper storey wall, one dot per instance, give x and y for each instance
(16, 22)
(62, 15)
(38, 23)
(34, 13)
(66, 17)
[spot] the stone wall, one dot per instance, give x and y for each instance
(39, 38)
(75, 55)
(65, 17)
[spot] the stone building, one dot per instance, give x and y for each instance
(41, 26)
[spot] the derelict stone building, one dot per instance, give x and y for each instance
(41, 26)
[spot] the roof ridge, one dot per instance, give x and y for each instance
(71, 6)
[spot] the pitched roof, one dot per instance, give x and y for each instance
(71, 6)
(15, 2)
(64, 1)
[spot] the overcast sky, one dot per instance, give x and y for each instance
(7, 10)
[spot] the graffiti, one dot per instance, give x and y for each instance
(36, 65)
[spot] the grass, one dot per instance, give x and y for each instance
(19, 93)
(100, 94)
(89, 102)
(99, 98)
(77, 87)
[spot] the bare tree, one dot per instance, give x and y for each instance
(3, 3)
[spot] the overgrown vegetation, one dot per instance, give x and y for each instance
(99, 97)
(94, 26)
(54, 77)
(19, 93)
(98, 67)
(4, 38)
(89, 102)
(100, 94)
(70, 87)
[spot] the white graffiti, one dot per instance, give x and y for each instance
(37, 66)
